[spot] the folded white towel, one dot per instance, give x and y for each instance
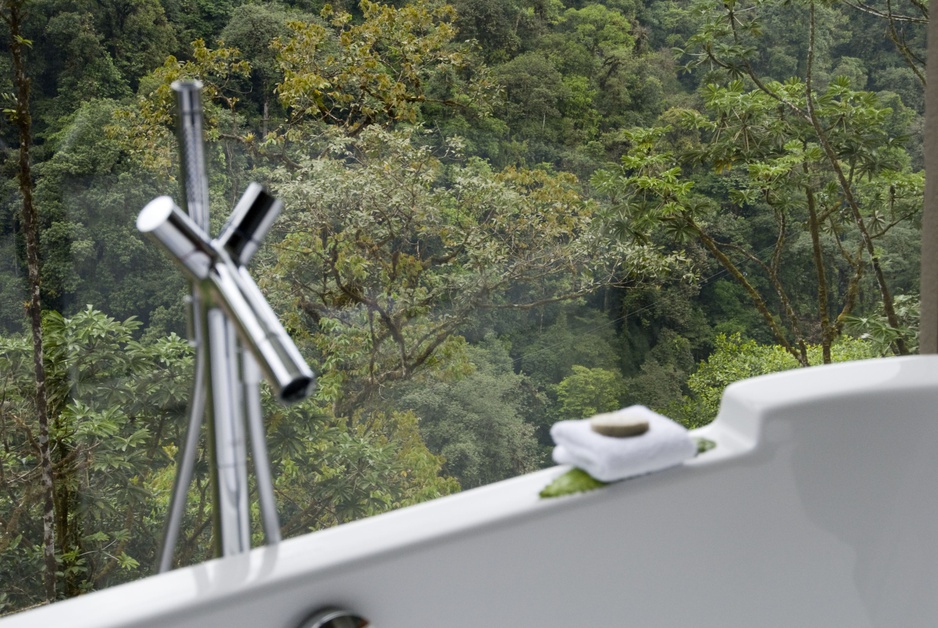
(608, 459)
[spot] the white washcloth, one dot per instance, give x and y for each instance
(608, 459)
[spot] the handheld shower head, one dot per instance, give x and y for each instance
(229, 286)
(249, 222)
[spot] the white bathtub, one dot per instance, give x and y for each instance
(818, 507)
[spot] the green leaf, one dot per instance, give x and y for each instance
(127, 562)
(573, 481)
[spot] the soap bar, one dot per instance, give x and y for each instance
(618, 424)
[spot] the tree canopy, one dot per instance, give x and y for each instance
(497, 214)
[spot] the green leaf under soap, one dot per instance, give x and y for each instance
(573, 481)
(704, 444)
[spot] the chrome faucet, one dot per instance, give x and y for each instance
(224, 283)
(236, 335)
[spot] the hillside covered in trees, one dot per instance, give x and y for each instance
(498, 214)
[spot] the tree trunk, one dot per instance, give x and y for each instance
(13, 16)
(827, 332)
(780, 337)
(847, 189)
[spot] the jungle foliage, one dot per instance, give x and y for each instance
(498, 214)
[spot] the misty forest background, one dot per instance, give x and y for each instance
(498, 214)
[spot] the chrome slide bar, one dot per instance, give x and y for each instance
(237, 337)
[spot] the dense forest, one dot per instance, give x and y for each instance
(498, 214)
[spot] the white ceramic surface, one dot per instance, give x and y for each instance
(817, 508)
